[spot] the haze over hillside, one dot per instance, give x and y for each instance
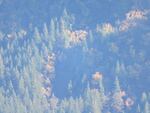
(80, 56)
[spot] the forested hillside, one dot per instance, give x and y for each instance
(61, 56)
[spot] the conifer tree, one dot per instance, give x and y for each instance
(144, 97)
(118, 103)
(147, 107)
(1, 66)
(118, 68)
(37, 36)
(70, 87)
(52, 31)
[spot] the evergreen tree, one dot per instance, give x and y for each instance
(118, 103)
(147, 108)
(46, 32)
(118, 68)
(138, 109)
(37, 36)
(144, 97)
(2, 67)
(66, 24)
(91, 38)
(52, 31)
(53, 103)
(2, 100)
(70, 87)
